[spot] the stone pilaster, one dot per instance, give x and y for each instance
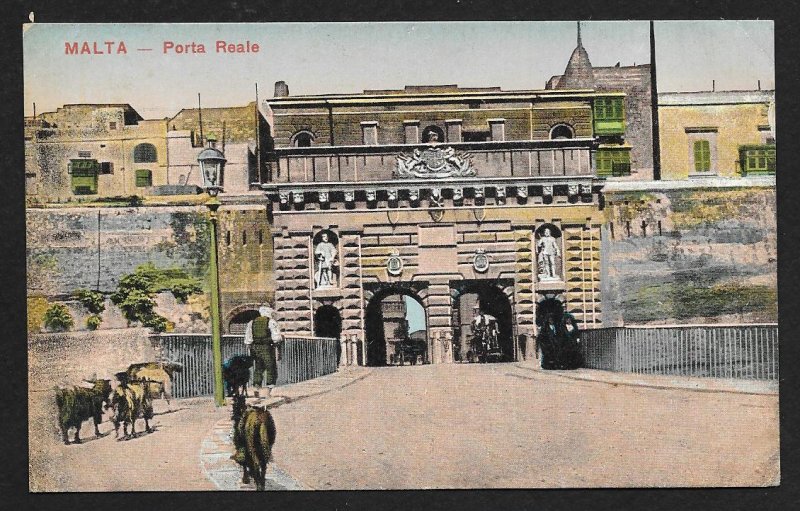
(524, 294)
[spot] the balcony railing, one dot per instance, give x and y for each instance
(547, 158)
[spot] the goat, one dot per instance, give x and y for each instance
(253, 436)
(159, 374)
(236, 374)
(131, 400)
(79, 404)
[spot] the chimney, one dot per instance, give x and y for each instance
(713, 85)
(759, 85)
(281, 89)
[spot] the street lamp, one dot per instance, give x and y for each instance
(212, 167)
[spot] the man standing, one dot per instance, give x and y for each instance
(325, 253)
(548, 251)
(261, 335)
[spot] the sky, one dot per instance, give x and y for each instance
(321, 58)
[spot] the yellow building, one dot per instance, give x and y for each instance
(95, 150)
(725, 133)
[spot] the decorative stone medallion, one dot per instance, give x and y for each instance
(480, 261)
(394, 265)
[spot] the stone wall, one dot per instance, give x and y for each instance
(67, 358)
(702, 255)
(93, 248)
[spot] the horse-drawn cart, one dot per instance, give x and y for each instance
(410, 350)
(485, 345)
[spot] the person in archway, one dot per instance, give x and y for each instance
(262, 335)
(325, 254)
(484, 328)
(548, 251)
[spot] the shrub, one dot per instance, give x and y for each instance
(57, 318)
(93, 322)
(182, 290)
(92, 300)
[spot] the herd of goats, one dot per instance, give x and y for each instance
(253, 427)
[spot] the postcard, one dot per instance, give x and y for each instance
(462, 255)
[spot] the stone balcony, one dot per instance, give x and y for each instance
(331, 165)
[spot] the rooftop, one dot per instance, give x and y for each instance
(729, 97)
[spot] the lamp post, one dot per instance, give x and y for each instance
(212, 168)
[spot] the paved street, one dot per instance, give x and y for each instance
(500, 425)
(443, 426)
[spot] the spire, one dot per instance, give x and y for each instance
(579, 73)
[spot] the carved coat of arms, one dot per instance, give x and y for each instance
(436, 162)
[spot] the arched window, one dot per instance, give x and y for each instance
(429, 132)
(561, 131)
(145, 153)
(144, 178)
(302, 139)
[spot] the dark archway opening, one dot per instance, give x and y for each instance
(238, 323)
(485, 298)
(432, 134)
(328, 323)
(561, 131)
(549, 307)
(396, 329)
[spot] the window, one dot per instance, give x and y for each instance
(244, 237)
(613, 162)
(498, 129)
(453, 130)
(84, 154)
(432, 133)
(145, 153)
(144, 178)
(83, 176)
(369, 132)
(609, 109)
(112, 125)
(560, 131)
(702, 156)
(106, 167)
(411, 131)
(302, 139)
(757, 159)
(609, 116)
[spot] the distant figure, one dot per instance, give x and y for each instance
(262, 335)
(325, 254)
(548, 251)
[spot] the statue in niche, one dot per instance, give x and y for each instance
(325, 258)
(548, 255)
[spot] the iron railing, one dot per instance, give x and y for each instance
(301, 358)
(718, 351)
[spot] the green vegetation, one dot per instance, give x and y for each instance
(93, 322)
(92, 300)
(57, 318)
(37, 307)
(685, 300)
(702, 208)
(136, 291)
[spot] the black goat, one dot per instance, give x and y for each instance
(236, 374)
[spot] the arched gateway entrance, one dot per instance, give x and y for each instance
(481, 297)
(396, 328)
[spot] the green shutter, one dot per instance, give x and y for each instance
(702, 156)
(84, 176)
(609, 116)
(144, 178)
(613, 162)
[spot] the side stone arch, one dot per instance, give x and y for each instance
(238, 317)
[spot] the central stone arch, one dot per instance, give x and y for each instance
(384, 308)
(493, 297)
